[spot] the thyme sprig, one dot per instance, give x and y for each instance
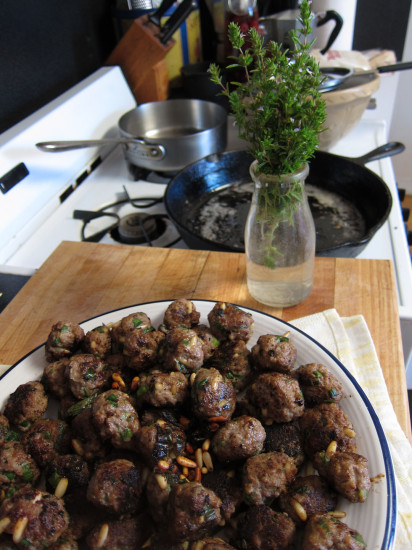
(277, 108)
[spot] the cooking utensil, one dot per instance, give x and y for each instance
(164, 136)
(336, 77)
(209, 201)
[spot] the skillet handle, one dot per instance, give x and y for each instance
(387, 150)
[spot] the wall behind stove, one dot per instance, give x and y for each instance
(46, 47)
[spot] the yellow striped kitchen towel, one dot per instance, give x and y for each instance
(349, 339)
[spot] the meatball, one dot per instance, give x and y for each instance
(138, 320)
(209, 342)
(266, 476)
(17, 467)
(98, 342)
(273, 353)
(226, 485)
(162, 389)
(319, 385)
(116, 487)
(158, 488)
(213, 396)
(193, 511)
(47, 438)
(141, 348)
(86, 440)
(46, 516)
(54, 378)
(115, 418)
(240, 438)
(232, 359)
(287, 439)
(211, 543)
(229, 322)
(306, 496)
(347, 472)
(325, 532)
(69, 466)
(26, 404)
(160, 440)
(276, 397)
(86, 374)
(6, 433)
(125, 533)
(83, 515)
(262, 528)
(322, 425)
(180, 313)
(64, 339)
(183, 350)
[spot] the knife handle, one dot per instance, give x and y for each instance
(156, 16)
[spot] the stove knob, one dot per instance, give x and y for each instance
(401, 194)
(405, 214)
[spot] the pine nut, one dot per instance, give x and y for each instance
(349, 432)
(299, 509)
(161, 423)
(77, 446)
(207, 460)
(206, 444)
(117, 378)
(199, 457)
(184, 461)
(192, 378)
(337, 514)
(61, 487)
(19, 528)
(163, 465)
(331, 449)
(185, 471)
(204, 470)
(4, 522)
(198, 474)
(135, 383)
(103, 533)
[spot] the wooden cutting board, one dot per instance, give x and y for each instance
(81, 280)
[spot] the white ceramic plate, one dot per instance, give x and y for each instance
(376, 518)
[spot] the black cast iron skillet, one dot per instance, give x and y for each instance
(208, 201)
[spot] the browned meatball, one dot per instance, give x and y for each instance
(159, 441)
(98, 341)
(319, 385)
(86, 441)
(64, 339)
(47, 438)
(261, 528)
(226, 485)
(266, 476)
(183, 350)
(322, 425)
(276, 397)
(273, 353)
(158, 487)
(124, 534)
(120, 329)
(180, 313)
(46, 516)
(240, 438)
(83, 515)
(229, 322)
(209, 342)
(306, 496)
(115, 418)
(116, 487)
(65, 542)
(141, 348)
(213, 396)
(287, 439)
(163, 389)
(54, 378)
(26, 404)
(86, 374)
(17, 467)
(231, 358)
(6, 433)
(69, 466)
(347, 472)
(323, 532)
(193, 511)
(211, 543)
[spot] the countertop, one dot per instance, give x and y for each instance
(81, 280)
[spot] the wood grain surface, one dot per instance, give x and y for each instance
(81, 280)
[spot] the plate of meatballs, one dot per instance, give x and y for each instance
(189, 425)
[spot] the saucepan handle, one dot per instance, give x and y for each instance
(133, 146)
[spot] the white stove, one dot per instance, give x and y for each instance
(84, 193)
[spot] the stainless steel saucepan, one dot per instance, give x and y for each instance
(164, 136)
